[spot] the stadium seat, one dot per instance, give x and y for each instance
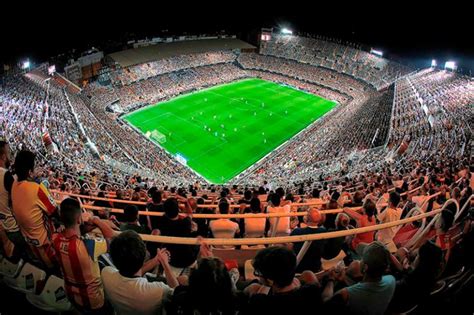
(52, 298)
(9, 269)
(27, 280)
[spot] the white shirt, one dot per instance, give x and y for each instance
(283, 228)
(223, 228)
(388, 215)
(134, 295)
(255, 227)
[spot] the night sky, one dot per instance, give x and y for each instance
(414, 34)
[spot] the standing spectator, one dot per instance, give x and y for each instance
(33, 207)
(390, 214)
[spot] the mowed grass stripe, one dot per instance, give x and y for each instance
(250, 130)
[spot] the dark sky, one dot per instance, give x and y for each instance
(436, 30)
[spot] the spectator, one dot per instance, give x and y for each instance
(33, 207)
(78, 257)
(366, 218)
(125, 288)
(224, 228)
(280, 226)
(312, 259)
(390, 214)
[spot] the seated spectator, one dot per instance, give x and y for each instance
(373, 294)
(125, 288)
(365, 218)
(210, 289)
(416, 283)
(312, 259)
(224, 228)
(33, 207)
(254, 227)
(171, 224)
(334, 245)
(130, 215)
(280, 227)
(156, 205)
(78, 256)
(279, 292)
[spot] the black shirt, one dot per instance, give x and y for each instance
(312, 258)
(181, 255)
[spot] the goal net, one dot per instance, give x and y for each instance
(156, 136)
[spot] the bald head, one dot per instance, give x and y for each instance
(313, 217)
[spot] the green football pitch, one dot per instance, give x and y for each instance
(223, 130)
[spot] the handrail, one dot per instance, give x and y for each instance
(222, 216)
(142, 203)
(282, 239)
(468, 202)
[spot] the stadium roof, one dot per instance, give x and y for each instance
(139, 55)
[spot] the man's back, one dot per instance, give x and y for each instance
(31, 204)
(134, 295)
(283, 227)
(312, 258)
(371, 297)
(6, 216)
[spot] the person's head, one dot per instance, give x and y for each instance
(130, 213)
(394, 199)
(342, 221)
(223, 194)
(24, 164)
(128, 252)
(369, 208)
(210, 286)
(358, 197)
(247, 195)
(429, 259)
(275, 199)
(223, 208)
(4, 154)
(255, 206)
(445, 220)
(313, 217)
(276, 265)
(315, 193)
(70, 213)
(156, 196)
(280, 191)
(261, 190)
(375, 260)
(171, 208)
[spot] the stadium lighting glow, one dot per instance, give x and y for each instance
(450, 65)
(376, 52)
(26, 64)
(286, 31)
(433, 63)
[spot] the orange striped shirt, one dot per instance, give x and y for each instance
(78, 259)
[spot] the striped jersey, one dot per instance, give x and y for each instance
(78, 259)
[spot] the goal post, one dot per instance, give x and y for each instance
(156, 136)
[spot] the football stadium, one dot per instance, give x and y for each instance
(275, 170)
(221, 131)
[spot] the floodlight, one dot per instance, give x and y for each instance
(450, 65)
(26, 64)
(286, 31)
(376, 52)
(433, 63)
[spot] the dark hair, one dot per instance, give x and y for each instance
(128, 251)
(447, 218)
(315, 193)
(394, 198)
(247, 194)
(156, 196)
(430, 259)
(3, 145)
(276, 263)
(210, 287)
(370, 208)
(69, 211)
(24, 163)
(255, 205)
(130, 213)
(171, 208)
(223, 208)
(275, 199)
